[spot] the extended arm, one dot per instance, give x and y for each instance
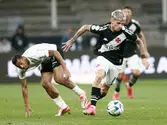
(142, 52)
(142, 37)
(70, 42)
(25, 97)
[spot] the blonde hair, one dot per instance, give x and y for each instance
(118, 15)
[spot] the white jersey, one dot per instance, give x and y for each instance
(36, 55)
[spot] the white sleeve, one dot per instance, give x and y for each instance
(21, 73)
(42, 53)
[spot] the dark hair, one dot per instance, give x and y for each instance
(15, 58)
(127, 7)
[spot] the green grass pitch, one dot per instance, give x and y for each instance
(149, 107)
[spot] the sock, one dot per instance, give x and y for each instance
(102, 95)
(132, 80)
(117, 83)
(60, 102)
(78, 91)
(95, 95)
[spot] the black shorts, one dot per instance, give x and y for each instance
(51, 63)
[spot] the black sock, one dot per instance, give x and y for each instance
(95, 95)
(102, 95)
(117, 83)
(132, 80)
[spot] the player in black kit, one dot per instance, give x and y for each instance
(130, 55)
(109, 52)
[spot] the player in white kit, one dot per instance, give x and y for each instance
(52, 65)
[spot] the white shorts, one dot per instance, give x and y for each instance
(111, 70)
(132, 62)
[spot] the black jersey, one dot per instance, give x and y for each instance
(131, 47)
(111, 44)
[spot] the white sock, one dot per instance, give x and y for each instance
(60, 102)
(78, 91)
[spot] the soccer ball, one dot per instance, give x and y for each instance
(115, 108)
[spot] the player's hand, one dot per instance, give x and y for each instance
(147, 55)
(145, 63)
(28, 110)
(67, 45)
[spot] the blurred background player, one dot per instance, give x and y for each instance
(109, 50)
(19, 39)
(52, 64)
(130, 55)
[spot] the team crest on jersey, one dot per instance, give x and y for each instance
(118, 40)
(113, 44)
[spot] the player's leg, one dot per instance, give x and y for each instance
(119, 79)
(46, 79)
(117, 83)
(58, 73)
(101, 73)
(134, 65)
(53, 93)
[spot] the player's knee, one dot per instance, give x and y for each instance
(136, 73)
(99, 76)
(120, 76)
(45, 84)
(104, 90)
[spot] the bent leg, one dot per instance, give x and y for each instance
(58, 73)
(133, 77)
(51, 90)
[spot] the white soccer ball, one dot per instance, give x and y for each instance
(115, 108)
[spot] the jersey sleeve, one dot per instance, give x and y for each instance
(21, 73)
(44, 52)
(130, 35)
(138, 30)
(98, 29)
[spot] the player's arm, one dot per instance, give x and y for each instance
(70, 42)
(141, 46)
(22, 77)
(142, 37)
(61, 61)
(25, 97)
(80, 32)
(133, 37)
(142, 52)
(24, 91)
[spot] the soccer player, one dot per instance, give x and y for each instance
(109, 52)
(130, 56)
(52, 64)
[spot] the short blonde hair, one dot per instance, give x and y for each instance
(118, 15)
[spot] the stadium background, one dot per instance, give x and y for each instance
(48, 20)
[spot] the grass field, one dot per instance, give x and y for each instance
(148, 108)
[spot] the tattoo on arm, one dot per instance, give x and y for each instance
(142, 48)
(80, 32)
